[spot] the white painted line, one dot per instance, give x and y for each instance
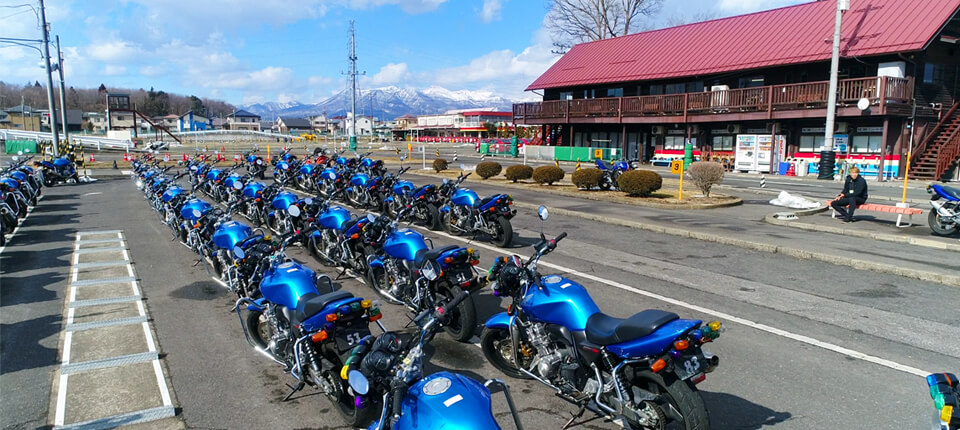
(96, 241)
(162, 383)
(61, 401)
(146, 331)
(98, 232)
(98, 250)
(67, 340)
(722, 315)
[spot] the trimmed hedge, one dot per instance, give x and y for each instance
(519, 172)
(640, 183)
(547, 175)
(586, 179)
(489, 169)
(440, 165)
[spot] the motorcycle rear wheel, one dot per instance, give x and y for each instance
(682, 395)
(463, 321)
(938, 226)
(504, 230)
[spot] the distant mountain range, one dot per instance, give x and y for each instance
(387, 103)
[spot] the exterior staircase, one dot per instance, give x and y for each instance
(940, 151)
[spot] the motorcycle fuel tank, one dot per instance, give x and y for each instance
(307, 168)
(402, 187)
(333, 218)
(404, 244)
(561, 301)
(447, 400)
(61, 162)
(213, 174)
(171, 193)
(187, 210)
(330, 174)
(284, 199)
(360, 179)
(230, 233)
(232, 179)
(464, 197)
(252, 188)
(285, 284)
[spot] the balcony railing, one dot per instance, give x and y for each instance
(880, 91)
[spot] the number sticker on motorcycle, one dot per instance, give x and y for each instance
(690, 366)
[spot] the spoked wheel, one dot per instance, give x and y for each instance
(939, 226)
(379, 279)
(259, 328)
(497, 347)
(343, 399)
(463, 318)
(321, 251)
(672, 395)
(447, 224)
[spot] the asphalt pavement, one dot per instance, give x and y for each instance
(808, 344)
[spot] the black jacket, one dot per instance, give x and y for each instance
(855, 188)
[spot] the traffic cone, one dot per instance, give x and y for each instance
(166, 157)
(125, 157)
(184, 157)
(92, 159)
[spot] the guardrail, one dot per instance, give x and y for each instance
(100, 143)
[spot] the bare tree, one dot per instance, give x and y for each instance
(689, 18)
(577, 21)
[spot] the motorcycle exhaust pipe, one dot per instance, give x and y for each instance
(712, 361)
(942, 210)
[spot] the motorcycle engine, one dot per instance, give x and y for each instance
(548, 357)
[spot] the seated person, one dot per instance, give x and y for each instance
(854, 194)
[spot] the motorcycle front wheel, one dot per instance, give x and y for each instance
(497, 347)
(939, 227)
(344, 401)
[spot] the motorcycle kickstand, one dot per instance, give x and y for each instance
(342, 272)
(576, 416)
(293, 390)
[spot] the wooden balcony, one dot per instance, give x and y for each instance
(887, 96)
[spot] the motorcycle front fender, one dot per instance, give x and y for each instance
(444, 209)
(256, 306)
(376, 262)
(500, 321)
(388, 199)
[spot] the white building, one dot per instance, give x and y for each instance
(364, 125)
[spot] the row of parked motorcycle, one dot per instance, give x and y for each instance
(641, 371)
(21, 186)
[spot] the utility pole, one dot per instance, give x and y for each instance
(63, 96)
(842, 6)
(353, 87)
(46, 61)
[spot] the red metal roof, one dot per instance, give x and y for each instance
(486, 113)
(790, 35)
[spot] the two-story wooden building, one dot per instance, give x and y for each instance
(767, 73)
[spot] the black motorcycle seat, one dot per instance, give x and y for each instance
(485, 200)
(604, 329)
(606, 164)
(431, 254)
(954, 192)
(311, 303)
(346, 226)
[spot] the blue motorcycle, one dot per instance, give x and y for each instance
(611, 173)
(944, 216)
(386, 368)
(640, 371)
(58, 171)
(467, 213)
(405, 271)
(310, 333)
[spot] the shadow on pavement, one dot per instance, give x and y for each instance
(731, 412)
(29, 289)
(20, 343)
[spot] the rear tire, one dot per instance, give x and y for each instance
(464, 321)
(433, 217)
(504, 230)
(683, 395)
(937, 225)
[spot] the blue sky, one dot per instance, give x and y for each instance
(246, 51)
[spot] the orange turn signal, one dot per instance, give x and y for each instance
(331, 317)
(658, 365)
(448, 260)
(355, 236)
(319, 336)
(681, 345)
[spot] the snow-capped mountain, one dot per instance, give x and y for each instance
(388, 103)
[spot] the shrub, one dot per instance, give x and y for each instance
(706, 174)
(586, 179)
(547, 175)
(640, 182)
(519, 172)
(439, 165)
(489, 169)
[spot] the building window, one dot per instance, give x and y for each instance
(656, 89)
(566, 95)
(933, 73)
(723, 143)
(673, 142)
(751, 81)
(614, 92)
(694, 87)
(811, 143)
(675, 88)
(119, 117)
(589, 94)
(868, 144)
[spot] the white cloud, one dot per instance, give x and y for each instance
(390, 74)
(116, 50)
(153, 70)
(408, 6)
(490, 10)
(113, 70)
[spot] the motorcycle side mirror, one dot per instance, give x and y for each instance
(203, 150)
(403, 157)
(446, 181)
(196, 213)
(259, 162)
(294, 210)
(237, 185)
(358, 382)
(15, 158)
(238, 253)
(371, 218)
(543, 213)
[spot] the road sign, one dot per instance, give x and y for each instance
(597, 153)
(676, 166)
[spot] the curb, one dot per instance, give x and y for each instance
(772, 192)
(764, 247)
(587, 196)
(895, 238)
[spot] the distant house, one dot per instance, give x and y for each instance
(219, 123)
(22, 117)
(95, 122)
(364, 125)
(171, 122)
(289, 125)
(243, 120)
(74, 120)
(194, 122)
